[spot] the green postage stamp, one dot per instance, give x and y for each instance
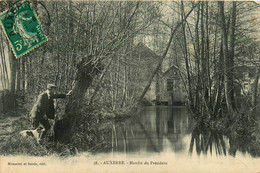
(22, 28)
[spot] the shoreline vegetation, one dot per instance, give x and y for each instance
(116, 56)
(93, 134)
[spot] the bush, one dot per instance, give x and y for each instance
(92, 131)
(245, 133)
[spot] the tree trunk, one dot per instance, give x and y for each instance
(4, 69)
(232, 54)
(18, 73)
(23, 76)
(164, 55)
(186, 58)
(85, 73)
(227, 60)
(207, 57)
(13, 66)
(157, 87)
(99, 82)
(219, 84)
(255, 89)
(197, 61)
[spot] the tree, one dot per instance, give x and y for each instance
(104, 38)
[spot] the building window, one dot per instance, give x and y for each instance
(169, 85)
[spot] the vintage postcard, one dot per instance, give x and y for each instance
(129, 86)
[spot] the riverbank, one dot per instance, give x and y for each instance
(242, 131)
(165, 128)
(91, 133)
(99, 131)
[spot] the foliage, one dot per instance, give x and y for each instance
(92, 133)
(210, 59)
(92, 130)
(244, 134)
(241, 132)
(101, 37)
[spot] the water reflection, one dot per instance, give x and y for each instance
(207, 140)
(172, 130)
(158, 129)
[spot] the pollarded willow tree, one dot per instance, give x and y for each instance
(83, 37)
(96, 30)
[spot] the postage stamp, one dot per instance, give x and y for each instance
(22, 28)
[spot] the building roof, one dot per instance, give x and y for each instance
(142, 50)
(170, 68)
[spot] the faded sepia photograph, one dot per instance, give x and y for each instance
(129, 86)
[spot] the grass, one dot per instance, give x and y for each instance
(91, 133)
(15, 144)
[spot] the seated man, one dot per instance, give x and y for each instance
(44, 109)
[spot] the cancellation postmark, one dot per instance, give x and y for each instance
(22, 28)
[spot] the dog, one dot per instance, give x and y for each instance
(32, 133)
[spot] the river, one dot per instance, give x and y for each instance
(158, 129)
(171, 129)
(170, 136)
(161, 139)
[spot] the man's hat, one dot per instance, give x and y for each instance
(51, 86)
